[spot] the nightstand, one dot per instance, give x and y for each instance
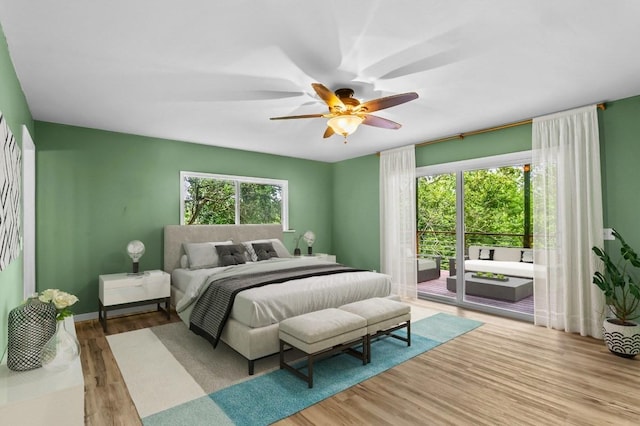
(119, 291)
(323, 256)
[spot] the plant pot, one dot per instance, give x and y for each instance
(622, 340)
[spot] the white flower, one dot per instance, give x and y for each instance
(63, 300)
(48, 295)
(60, 299)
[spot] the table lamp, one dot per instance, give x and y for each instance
(310, 238)
(135, 249)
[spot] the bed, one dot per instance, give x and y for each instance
(251, 325)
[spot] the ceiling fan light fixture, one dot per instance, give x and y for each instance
(345, 124)
(346, 113)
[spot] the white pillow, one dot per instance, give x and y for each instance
(203, 255)
(276, 243)
(184, 261)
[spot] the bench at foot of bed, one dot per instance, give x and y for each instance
(322, 333)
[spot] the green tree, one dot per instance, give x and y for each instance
(436, 214)
(260, 203)
(493, 203)
(209, 201)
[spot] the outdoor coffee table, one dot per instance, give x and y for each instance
(512, 290)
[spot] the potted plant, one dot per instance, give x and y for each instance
(621, 288)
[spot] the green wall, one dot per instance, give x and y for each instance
(13, 106)
(620, 154)
(356, 212)
(504, 141)
(98, 190)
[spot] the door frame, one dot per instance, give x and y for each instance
(458, 168)
(28, 212)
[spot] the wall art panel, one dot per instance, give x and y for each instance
(10, 173)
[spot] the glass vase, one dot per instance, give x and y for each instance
(60, 350)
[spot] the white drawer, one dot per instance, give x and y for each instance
(116, 289)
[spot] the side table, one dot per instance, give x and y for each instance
(119, 291)
(43, 397)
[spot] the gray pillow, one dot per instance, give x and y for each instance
(231, 254)
(277, 246)
(264, 251)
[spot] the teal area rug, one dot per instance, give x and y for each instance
(279, 394)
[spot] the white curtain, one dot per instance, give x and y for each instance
(398, 219)
(567, 216)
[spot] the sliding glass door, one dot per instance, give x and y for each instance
(475, 217)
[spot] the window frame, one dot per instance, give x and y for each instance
(237, 181)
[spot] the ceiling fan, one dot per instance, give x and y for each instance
(346, 113)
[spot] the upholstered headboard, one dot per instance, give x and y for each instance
(175, 235)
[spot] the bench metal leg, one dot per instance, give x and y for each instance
(389, 332)
(345, 347)
(310, 370)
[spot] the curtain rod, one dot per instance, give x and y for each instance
(490, 129)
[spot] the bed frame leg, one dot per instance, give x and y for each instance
(250, 367)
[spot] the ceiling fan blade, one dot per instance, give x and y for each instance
(298, 116)
(386, 102)
(329, 97)
(329, 132)
(372, 120)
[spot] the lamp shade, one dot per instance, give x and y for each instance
(345, 124)
(135, 249)
(309, 237)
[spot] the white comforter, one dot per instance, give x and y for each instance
(270, 304)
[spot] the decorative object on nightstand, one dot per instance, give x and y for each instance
(296, 251)
(135, 249)
(62, 348)
(310, 238)
(30, 326)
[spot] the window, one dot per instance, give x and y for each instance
(210, 199)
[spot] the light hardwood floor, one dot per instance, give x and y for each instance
(504, 373)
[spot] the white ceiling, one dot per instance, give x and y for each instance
(213, 72)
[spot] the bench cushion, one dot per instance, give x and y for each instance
(380, 313)
(319, 330)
